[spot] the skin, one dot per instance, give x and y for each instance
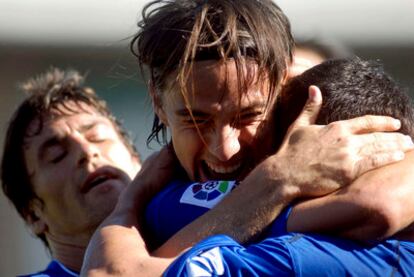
(227, 134)
(386, 190)
(130, 257)
(72, 150)
(323, 155)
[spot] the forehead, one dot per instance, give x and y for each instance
(220, 82)
(63, 118)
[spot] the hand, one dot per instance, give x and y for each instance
(320, 159)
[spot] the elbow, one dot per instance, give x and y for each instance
(382, 216)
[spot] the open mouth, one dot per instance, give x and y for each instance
(95, 179)
(217, 172)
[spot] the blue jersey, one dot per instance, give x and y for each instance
(54, 269)
(295, 255)
(180, 203)
(281, 254)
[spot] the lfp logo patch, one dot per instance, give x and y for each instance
(207, 194)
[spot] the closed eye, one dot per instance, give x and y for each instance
(55, 153)
(58, 158)
(249, 118)
(199, 122)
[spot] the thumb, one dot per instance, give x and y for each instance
(311, 109)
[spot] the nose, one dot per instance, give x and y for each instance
(225, 143)
(86, 151)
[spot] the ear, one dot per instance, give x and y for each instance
(34, 218)
(157, 103)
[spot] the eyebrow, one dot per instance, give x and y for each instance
(86, 127)
(199, 113)
(196, 113)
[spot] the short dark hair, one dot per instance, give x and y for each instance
(174, 34)
(350, 88)
(46, 94)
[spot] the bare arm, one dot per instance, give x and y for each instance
(223, 220)
(117, 248)
(375, 206)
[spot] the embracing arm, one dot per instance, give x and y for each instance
(117, 247)
(376, 205)
(235, 215)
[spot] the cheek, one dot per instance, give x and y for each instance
(251, 137)
(45, 185)
(120, 157)
(188, 147)
(251, 133)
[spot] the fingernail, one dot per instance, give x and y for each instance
(313, 94)
(397, 123)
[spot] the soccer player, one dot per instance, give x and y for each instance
(215, 70)
(350, 88)
(66, 160)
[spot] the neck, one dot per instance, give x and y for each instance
(69, 252)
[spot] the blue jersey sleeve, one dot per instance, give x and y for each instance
(222, 256)
(279, 226)
(296, 255)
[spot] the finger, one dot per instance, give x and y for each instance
(383, 142)
(378, 160)
(311, 109)
(372, 123)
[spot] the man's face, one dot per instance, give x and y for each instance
(232, 134)
(78, 165)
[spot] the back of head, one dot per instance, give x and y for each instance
(175, 34)
(350, 88)
(47, 97)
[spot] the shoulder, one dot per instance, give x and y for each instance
(312, 254)
(222, 256)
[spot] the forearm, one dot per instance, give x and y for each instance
(243, 214)
(375, 206)
(339, 214)
(117, 249)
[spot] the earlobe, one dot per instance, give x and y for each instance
(34, 218)
(157, 103)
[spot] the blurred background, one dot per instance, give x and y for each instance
(92, 36)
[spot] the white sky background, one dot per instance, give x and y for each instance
(108, 22)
